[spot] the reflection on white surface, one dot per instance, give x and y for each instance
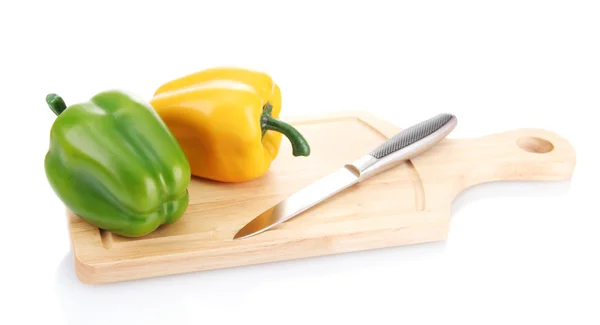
(294, 287)
(510, 189)
(230, 294)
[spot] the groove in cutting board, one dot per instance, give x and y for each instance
(107, 239)
(417, 182)
(405, 205)
(419, 190)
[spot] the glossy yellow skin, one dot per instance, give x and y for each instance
(215, 115)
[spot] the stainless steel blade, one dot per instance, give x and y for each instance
(300, 201)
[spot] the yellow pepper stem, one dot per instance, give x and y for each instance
(300, 146)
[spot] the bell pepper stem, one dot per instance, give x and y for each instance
(300, 146)
(56, 103)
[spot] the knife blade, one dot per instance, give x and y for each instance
(406, 144)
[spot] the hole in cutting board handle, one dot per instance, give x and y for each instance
(535, 145)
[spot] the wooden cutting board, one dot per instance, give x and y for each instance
(408, 204)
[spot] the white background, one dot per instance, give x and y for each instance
(516, 253)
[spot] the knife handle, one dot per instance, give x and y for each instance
(404, 145)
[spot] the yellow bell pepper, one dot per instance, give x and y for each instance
(225, 119)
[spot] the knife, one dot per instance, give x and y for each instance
(404, 145)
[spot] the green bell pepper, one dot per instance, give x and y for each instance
(113, 162)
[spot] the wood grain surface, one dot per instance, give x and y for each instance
(407, 204)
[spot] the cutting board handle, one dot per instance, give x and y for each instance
(517, 155)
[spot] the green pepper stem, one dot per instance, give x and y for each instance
(56, 103)
(300, 146)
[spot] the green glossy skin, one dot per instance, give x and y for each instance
(113, 162)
